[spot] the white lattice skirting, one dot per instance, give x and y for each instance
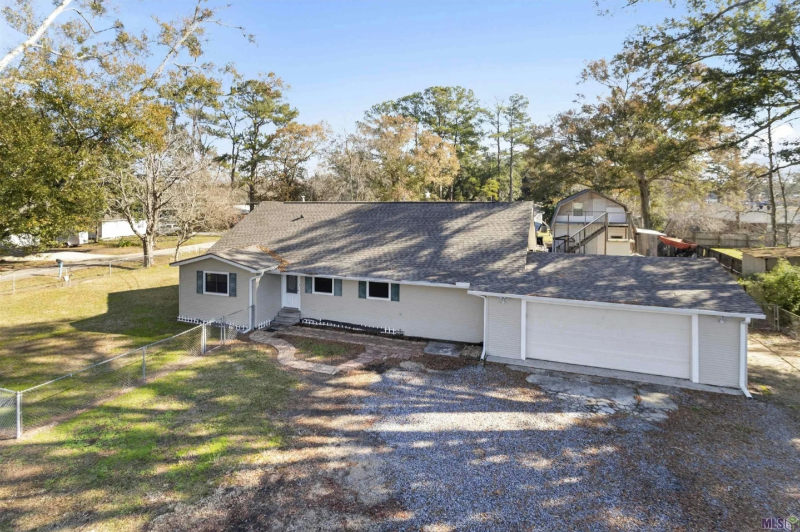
(215, 321)
(363, 328)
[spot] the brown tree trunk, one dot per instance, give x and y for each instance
(773, 217)
(644, 197)
(782, 185)
(148, 246)
(251, 194)
(511, 173)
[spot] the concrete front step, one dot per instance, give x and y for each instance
(285, 320)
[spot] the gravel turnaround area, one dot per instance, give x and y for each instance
(477, 449)
(439, 444)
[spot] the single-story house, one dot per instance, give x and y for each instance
(463, 272)
(111, 228)
(762, 260)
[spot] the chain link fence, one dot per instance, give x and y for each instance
(67, 395)
(777, 319)
(8, 414)
(74, 274)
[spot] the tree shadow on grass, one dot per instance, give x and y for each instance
(37, 352)
(169, 441)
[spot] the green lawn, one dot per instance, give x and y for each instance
(174, 440)
(735, 253)
(46, 333)
(112, 247)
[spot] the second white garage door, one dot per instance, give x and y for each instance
(644, 342)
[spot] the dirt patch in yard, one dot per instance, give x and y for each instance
(732, 461)
(431, 362)
(328, 352)
(326, 477)
(774, 370)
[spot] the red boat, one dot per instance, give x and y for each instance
(677, 242)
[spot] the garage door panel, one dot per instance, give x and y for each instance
(634, 335)
(643, 342)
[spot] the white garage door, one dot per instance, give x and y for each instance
(644, 342)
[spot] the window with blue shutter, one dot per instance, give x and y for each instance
(232, 284)
(308, 285)
(199, 282)
(337, 287)
(362, 289)
(395, 292)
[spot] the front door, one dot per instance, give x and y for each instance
(290, 291)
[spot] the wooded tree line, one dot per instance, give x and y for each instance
(94, 118)
(687, 108)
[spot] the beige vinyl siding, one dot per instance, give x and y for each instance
(719, 351)
(503, 331)
(423, 311)
(268, 297)
(209, 306)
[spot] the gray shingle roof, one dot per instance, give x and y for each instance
(484, 244)
(404, 241)
(650, 281)
(251, 257)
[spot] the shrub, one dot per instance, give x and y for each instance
(124, 243)
(781, 286)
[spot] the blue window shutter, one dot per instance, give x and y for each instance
(362, 289)
(308, 284)
(337, 287)
(232, 284)
(199, 282)
(395, 292)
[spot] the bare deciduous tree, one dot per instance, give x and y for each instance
(200, 204)
(144, 185)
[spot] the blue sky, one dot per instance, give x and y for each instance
(342, 57)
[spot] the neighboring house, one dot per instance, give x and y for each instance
(463, 272)
(593, 224)
(117, 228)
(75, 239)
(762, 260)
(721, 226)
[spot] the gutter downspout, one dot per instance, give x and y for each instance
(485, 324)
(743, 357)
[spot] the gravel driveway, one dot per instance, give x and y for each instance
(474, 448)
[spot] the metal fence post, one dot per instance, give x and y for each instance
(203, 339)
(777, 320)
(144, 364)
(222, 331)
(19, 415)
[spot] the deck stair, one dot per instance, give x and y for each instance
(574, 247)
(576, 242)
(285, 318)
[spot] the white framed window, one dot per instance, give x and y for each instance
(378, 291)
(323, 286)
(216, 283)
